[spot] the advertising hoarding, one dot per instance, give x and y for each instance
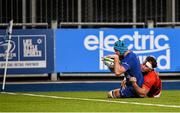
(80, 50)
(31, 51)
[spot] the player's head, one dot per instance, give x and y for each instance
(120, 46)
(149, 64)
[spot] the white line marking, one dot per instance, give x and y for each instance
(100, 100)
(8, 93)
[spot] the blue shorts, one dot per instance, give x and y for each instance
(128, 92)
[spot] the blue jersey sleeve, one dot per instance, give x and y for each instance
(126, 65)
(130, 62)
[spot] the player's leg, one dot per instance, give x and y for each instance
(122, 93)
(114, 93)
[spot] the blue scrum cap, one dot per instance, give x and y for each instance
(120, 46)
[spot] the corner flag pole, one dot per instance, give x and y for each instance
(8, 33)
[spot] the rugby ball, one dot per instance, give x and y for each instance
(109, 62)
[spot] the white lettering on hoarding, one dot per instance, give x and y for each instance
(4, 46)
(141, 43)
(31, 50)
(24, 64)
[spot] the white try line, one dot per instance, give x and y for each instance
(93, 100)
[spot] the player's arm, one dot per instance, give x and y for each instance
(118, 69)
(141, 91)
(108, 63)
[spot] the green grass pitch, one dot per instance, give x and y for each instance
(46, 103)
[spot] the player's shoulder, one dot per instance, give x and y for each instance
(131, 55)
(151, 75)
(154, 73)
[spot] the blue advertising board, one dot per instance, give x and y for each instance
(31, 51)
(80, 50)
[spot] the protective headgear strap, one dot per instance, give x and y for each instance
(148, 64)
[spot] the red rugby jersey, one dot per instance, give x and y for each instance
(153, 83)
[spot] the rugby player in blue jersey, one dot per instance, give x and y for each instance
(125, 62)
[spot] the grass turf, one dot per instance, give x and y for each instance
(23, 103)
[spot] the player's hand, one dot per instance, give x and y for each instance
(123, 84)
(133, 79)
(112, 56)
(102, 58)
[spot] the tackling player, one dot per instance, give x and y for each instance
(125, 61)
(152, 85)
